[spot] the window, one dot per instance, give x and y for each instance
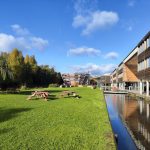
(141, 66)
(138, 67)
(148, 62)
(148, 42)
(141, 48)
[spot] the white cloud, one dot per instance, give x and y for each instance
(91, 20)
(24, 40)
(85, 6)
(87, 51)
(111, 55)
(95, 20)
(80, 20)
(8, 42)
(94, 69)
(19, 30)
(38, 42)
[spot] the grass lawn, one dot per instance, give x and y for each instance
(57, 124)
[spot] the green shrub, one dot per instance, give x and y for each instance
(23, 87)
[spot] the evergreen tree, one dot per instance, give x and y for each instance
(4, 69)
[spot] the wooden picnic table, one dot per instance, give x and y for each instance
(39, 94)
(69, 93)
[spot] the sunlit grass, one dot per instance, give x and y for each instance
(60, 123)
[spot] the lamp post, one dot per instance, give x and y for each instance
(105, 82)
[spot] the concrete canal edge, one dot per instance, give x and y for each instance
(143, 97)
(114, 136)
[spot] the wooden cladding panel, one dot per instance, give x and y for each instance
(133, 68)
(129, 75)
(141, 74)
(132, 60)
(130, 70)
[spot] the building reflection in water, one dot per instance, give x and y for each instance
(135, 113)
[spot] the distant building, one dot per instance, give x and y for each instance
(103, 80)
(114, 78)
(76, 79)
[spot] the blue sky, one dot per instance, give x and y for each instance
(74, 35)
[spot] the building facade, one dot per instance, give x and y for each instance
(144, 64)
(133, 73)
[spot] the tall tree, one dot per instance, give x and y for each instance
(16, 63)
(4, 69)
(27, 59)
(32, 61)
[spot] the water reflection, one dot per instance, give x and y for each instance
(135, 114)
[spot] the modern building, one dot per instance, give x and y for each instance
(144, 63)
(133, 73)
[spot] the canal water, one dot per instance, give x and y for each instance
(130, 120)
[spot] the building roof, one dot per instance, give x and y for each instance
(143, 39)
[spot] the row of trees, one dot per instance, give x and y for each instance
(17, 70)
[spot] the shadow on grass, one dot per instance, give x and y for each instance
(5, 130)
(73, 97)
(50, 97)
(10, 113)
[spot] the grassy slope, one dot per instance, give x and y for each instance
(64, 123)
